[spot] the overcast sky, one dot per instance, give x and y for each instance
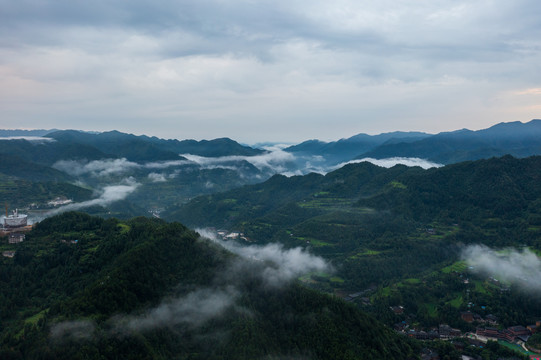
(257, 70)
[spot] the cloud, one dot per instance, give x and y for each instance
(73, 330)
(252, 69)
(106, 167)
(277, 265)
(35, 139)
(108, 195)
(518, 267)
(96, 167)
(272, 265)
(390, 162)
(275, 160)
(192, 310)
(155, 177)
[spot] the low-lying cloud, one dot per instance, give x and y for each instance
(192, 310)
(34, 139)
(73, 330)
(105, 167)
(272, 265)
(275, 159)
(107, 196)
(390, 162)
(155, 177)
(280, 265)
(522, 267)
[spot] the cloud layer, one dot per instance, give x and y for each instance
(518, 267)
(390, 162)
(280, 265)
(272, 266)
(268, 71)
(107, 196)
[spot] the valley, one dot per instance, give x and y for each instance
(431, 251)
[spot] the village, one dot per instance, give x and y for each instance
(15, 225)
(486, 330)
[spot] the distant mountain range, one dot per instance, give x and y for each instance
(347, 149)
(513, 138)
(167, 173)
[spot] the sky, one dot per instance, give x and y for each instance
(268, 70)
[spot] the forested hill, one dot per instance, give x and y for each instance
(81, 287)
(382, 225)
(514, 138)
(506, 186)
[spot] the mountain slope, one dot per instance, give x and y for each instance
(116, 143)
(49, 152)
(365, 217)
(210, 148)
(345, 149)
(515, 138)
(104, 289)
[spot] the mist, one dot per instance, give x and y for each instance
(192, 310)
(522, 268)
(280, 265)
(73, 330)
(106, 167)
(155, 177)
(272, 265)
(275, 160)
(107, 196)
(390, 162)
(35, 139)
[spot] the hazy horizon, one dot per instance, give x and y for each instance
(262, 71)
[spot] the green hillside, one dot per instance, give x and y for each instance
(80, 287)
(381, 226)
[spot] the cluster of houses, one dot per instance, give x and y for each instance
(469, 317)
(13, 238)
(443, 331)
(511, 334)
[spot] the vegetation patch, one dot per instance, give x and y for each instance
(397, 185)
(412, 281)
(456, 302)
(124, 228)
(459, 267)
(33, 320)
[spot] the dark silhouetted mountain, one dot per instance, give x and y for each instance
(144, 148)
(49, 152)
(210, 148)
(13, 165)
(345, 149)
(514, 138)
(9, 133)
(118, 144)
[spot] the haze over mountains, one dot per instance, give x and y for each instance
(156, 174)
(379, 221)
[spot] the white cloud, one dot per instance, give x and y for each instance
(519, 267)
(155, 177)
(249, 70)
(75, 330)
(192, 310)
(279, 265)
(96, 167)
(107, 196)
(275, 160)
(390, 162)
(37, 139)
(105, 167)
